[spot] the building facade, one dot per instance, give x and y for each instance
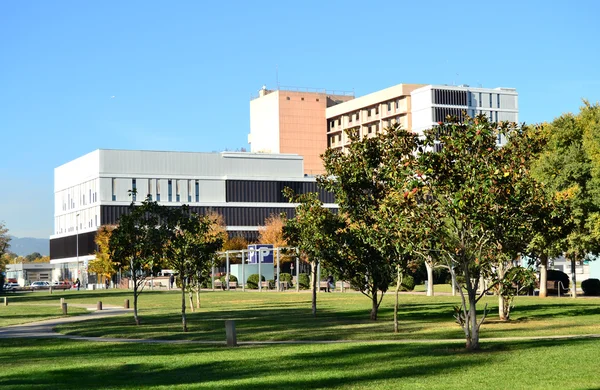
(416, 107)
(292, 121)
(94, 190)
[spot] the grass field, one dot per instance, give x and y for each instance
(376, 364)
(50, 364)
(286, 316)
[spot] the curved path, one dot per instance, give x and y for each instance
(45, 329)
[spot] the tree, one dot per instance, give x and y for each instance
(361, 179)
(191, 248)
(313, 231)
(272, 231)
(4, 239)
(103, 264)
(488, 200)
(570, 169)
(138, 244)
(32, 257)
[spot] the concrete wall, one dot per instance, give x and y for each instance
(264, 124)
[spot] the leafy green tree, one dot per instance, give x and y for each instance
(313, 231)
(191, 249)
(33, 257)
(4, 239)
(570, 169)
(137, 244)
(488, 200)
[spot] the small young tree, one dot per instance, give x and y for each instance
(191, 249)
(313, 232)
(137, 244)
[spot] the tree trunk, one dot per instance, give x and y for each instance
(398, 283)
(314, 287)
(503, 308)
(454, 285)
(191, 298)
(374, 305)
(473, 333)
(198, 296)
(573, 278)
(135, 303)
(543, 276)
(429, 278)
(183, 317)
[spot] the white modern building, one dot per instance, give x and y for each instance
(94, 190)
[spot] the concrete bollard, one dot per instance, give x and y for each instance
(5, 301)
(99, 305)
(62, 300)
(126, 304)
(50, 289)
(230, 333)
(64, 309)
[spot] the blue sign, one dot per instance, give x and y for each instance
(257, 251)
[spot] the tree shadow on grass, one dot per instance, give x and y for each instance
(96, 366)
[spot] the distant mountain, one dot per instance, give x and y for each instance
(27, 245)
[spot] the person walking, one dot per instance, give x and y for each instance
(78, 284)
(330, 283)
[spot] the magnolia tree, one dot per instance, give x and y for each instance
(137, 244)
(487, 199)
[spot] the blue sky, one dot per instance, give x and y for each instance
(182, 72)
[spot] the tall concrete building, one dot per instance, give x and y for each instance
(292, 121)
(417, 107)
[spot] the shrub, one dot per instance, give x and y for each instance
(554, 274)
(304, 281)
(232, 278)
(252, 281)
(591, 286)
(408, 283)
(285, 277)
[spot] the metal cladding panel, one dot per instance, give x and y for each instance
(136, 163)
(63, 247)
(233, 216)
(271, 191)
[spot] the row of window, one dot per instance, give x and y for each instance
(370, 112)
(195, 184)
(76, 196)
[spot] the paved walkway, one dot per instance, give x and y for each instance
(45, 329)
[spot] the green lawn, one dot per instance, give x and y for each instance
(49, 364)
(19, 313)
(286, 316)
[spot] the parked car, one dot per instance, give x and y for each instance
(40, 285)
(11, 286)
(61, 285)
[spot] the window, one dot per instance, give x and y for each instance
(157, 190)
(369, 127)
(339, 137)
(287, 98)
(90, 198)
(369, 113)
(302, 99)
(389, 105)
(397, 104)
(189, 191)
(197, 188)
(114, 197)
(377, 110)
(170, 190)
(357, 117)
(498, 101)
(339, 121)
(317, 99)
(177, 197)
(350, 118)
(133, 190)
